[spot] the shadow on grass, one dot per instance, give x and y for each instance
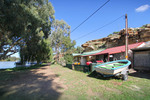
(96, 75)
(139, 74)
(28, 85)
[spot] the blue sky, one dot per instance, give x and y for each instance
(76, 11)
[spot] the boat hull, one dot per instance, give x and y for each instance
(103, 69)
(109, 71)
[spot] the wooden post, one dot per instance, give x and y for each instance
(108, 58)
(126, 37)
(72, 66)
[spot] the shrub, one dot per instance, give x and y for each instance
(68, 58)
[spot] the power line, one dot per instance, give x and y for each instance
(90, 16)
(101, 27)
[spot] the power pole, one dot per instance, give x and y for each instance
(126, 37)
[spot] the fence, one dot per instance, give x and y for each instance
(84, 68)
(69, 66)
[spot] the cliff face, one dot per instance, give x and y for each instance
(118, 39)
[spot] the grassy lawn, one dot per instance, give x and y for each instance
(80, 86)
(61, 83)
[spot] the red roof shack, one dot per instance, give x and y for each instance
(117, 53)
(119, 49)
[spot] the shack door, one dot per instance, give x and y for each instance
(83, 60)
(142, 60)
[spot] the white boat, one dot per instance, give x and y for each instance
(119, 67)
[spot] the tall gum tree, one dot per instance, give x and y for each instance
(60, 38)
(21, 21)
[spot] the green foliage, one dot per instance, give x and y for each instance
(144, 26)
(62, 61)
(11, 59)
(60, 39)
(45, 53)
(68, 58)
(26, 25)
(39, 51)
(115, 32)
(21, 21)
(78, 49)
(61, 36)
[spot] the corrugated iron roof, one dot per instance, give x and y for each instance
(76, 54)
(113, 50)
(118, 49)
(141, 49)
(87, 53)
(92, 52)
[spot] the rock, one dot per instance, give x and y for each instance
(135, 35)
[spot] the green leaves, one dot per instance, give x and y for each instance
(60, 39)
(28, 20)
(61, 36)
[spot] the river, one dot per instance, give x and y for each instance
(9, 64)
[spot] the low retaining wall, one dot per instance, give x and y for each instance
(84, 68)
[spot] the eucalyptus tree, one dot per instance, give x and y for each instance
(79, 49)
(60, 37)
(21, 22)
(36, 49)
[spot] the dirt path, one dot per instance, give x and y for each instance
(36, 84)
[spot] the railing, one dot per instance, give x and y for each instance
(83, 68)
(69, 66)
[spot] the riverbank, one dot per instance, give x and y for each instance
(22, 68)
(11, 59)
(12, 64)
(7, 64)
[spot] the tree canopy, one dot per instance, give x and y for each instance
(21, 23)
(29, 26)
(60, 37)
(36, 49)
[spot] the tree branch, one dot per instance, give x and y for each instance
(3, 56)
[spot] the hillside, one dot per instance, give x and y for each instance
(141, 34)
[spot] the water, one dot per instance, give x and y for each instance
(7, 64)
(10, 64)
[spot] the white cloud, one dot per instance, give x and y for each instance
(142, 8)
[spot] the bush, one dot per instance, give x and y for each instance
(68, 58)
(62, 61)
